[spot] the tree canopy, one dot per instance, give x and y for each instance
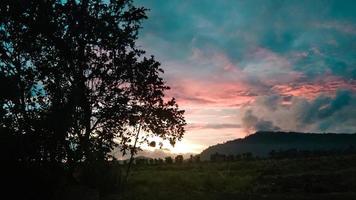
(74, 85)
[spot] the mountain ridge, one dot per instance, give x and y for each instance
(262, 143)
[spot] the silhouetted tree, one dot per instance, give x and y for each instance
(152, 161)
(216, 157)
(141, 161)
(178, 159)
(247, 156)
(159, 161)
(168, 160)
(230, 157)
(238, 157)
(75, 84)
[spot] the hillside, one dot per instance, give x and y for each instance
(262, 143)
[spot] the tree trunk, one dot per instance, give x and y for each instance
(131, 156)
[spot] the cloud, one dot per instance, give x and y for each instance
(269, 67)
(311, 89)
(323, 114)
(280, 59)
(324, 107)
(224, 93)
(285, 28)
(199, 126)
(252, 123)
(344, 27)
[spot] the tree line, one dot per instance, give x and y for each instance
(179, 159)
(283, 154)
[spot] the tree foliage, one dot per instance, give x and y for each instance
(73, 83)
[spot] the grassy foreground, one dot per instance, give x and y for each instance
(331, 177)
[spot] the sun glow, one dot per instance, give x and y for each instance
(183, 147)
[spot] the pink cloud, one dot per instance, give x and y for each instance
(224, 83)
(210, 93)
(216, 90)
(198, 126)
(327, 85)
(341, 26)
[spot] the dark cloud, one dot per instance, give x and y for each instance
(325, 38)
(322, 114)
(272, 102)
(341, 100)
(252, 123)
(324, 107)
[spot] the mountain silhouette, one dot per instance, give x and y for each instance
(262, 143)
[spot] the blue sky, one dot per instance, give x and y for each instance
(241, 66)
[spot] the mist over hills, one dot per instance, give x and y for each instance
(262, 143)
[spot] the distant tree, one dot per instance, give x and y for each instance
(75, 84)
(178, 159)
(160, 161)
(272, 154)
(216, 157)
(155, 161)
(238, 157)
(168, 160)
(151, 161)
(247, 156)
(230, 157)
(194, 158)
(141, 161)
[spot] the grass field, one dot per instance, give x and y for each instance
(332, 177)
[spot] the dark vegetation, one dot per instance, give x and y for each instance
(74, 86)
(317, 177)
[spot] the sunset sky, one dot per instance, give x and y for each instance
(241, 66)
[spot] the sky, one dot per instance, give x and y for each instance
(239, 66)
